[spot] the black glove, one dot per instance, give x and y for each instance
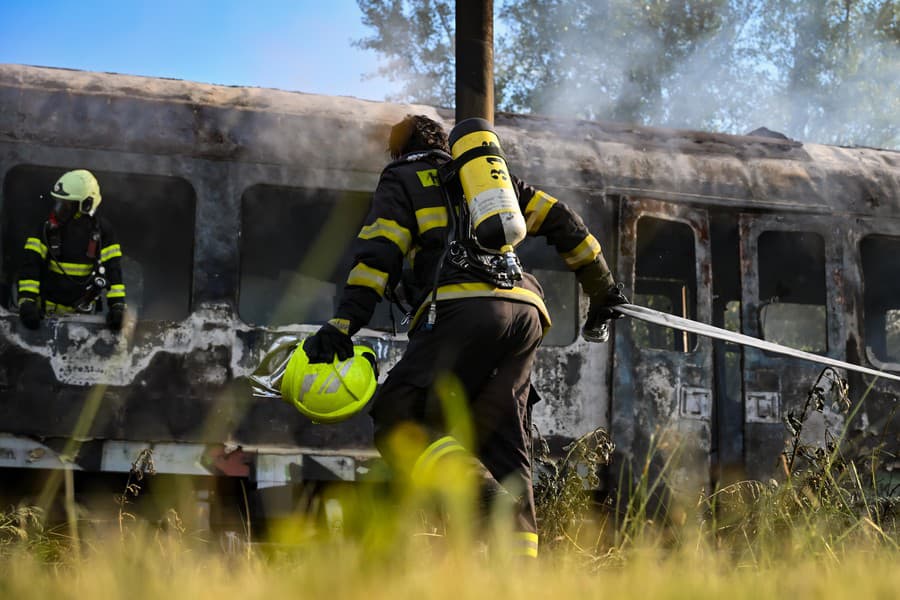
(30, 314)
(115, 316)
(596, 326)
(328, 341)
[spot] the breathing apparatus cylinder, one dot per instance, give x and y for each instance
(497, 222)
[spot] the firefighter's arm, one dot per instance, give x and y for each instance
(111, 260)
(379, 248)
(546, 216)
(34, 254)
(565, 230)
(29, 285)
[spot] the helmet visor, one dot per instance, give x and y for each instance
(64, 210)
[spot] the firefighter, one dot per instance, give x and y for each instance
(72, 258)
(476, 315)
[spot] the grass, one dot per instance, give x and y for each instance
(827, 528)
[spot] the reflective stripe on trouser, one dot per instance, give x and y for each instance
(489, 345)
(59, 309)
(424, 468)
(525, 544)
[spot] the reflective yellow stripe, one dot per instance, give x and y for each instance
(366, 276)
(29, 285)
(72, 269)
(390, 230)
(116, 290)
(342, 325)
(428, 178)
(36, 245)
(433, 453)
(62, 309)
(429, 218)
(457, 291)
(537, 209)
(110, 252)
(584, 253)
(526, 544)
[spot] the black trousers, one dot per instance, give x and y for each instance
(489, 345)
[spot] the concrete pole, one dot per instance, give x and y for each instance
(475, 59)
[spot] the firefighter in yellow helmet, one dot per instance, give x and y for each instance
(477, 315)
(72, 258)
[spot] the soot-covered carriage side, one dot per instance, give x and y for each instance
(235, 207)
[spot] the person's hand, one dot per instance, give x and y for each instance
(600, 312)
(30, 314)
(328, 342)
(115, 315)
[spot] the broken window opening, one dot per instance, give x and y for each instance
(881, 296)
(142, 209)
(665, 280)
(792, 291)
(296, 251)
(732, 316)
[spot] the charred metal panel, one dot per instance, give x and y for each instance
(801, 269)
(153, 116)
(662, 392)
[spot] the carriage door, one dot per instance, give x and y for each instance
(662, 389)
(791, 281)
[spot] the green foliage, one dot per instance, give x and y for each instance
(563, 487)
(22, 528)
(415, 37)
(825, 71)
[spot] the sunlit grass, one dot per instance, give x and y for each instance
(149, 565)
(827, 528)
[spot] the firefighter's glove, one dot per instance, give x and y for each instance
(601, 308)
(328, 342)
(115, 316)
(600, 312)
(30, 314)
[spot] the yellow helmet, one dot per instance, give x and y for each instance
(330, 392)
(79, 187)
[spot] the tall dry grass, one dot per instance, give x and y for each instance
(827, 528)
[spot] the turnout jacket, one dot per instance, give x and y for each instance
(60, 282)
(409, 218)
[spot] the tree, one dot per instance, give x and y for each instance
(416, 37)
(817, 70)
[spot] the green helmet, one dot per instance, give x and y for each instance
(330, 392)
(80, 188)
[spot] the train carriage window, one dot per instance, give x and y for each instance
(296, 252)
(881, 285)
(792, 289)
(153, 218)
(665, 280)
(560, 289)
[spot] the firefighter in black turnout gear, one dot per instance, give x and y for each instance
(72, 258)
(476, 315)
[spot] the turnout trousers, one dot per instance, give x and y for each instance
(488, 345)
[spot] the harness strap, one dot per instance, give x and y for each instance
(449, 169)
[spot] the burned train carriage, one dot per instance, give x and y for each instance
(235, 208)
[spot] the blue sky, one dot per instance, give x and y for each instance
(301, 45)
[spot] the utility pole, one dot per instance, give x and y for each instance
(475, 59)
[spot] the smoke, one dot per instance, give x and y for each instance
(822, 72)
